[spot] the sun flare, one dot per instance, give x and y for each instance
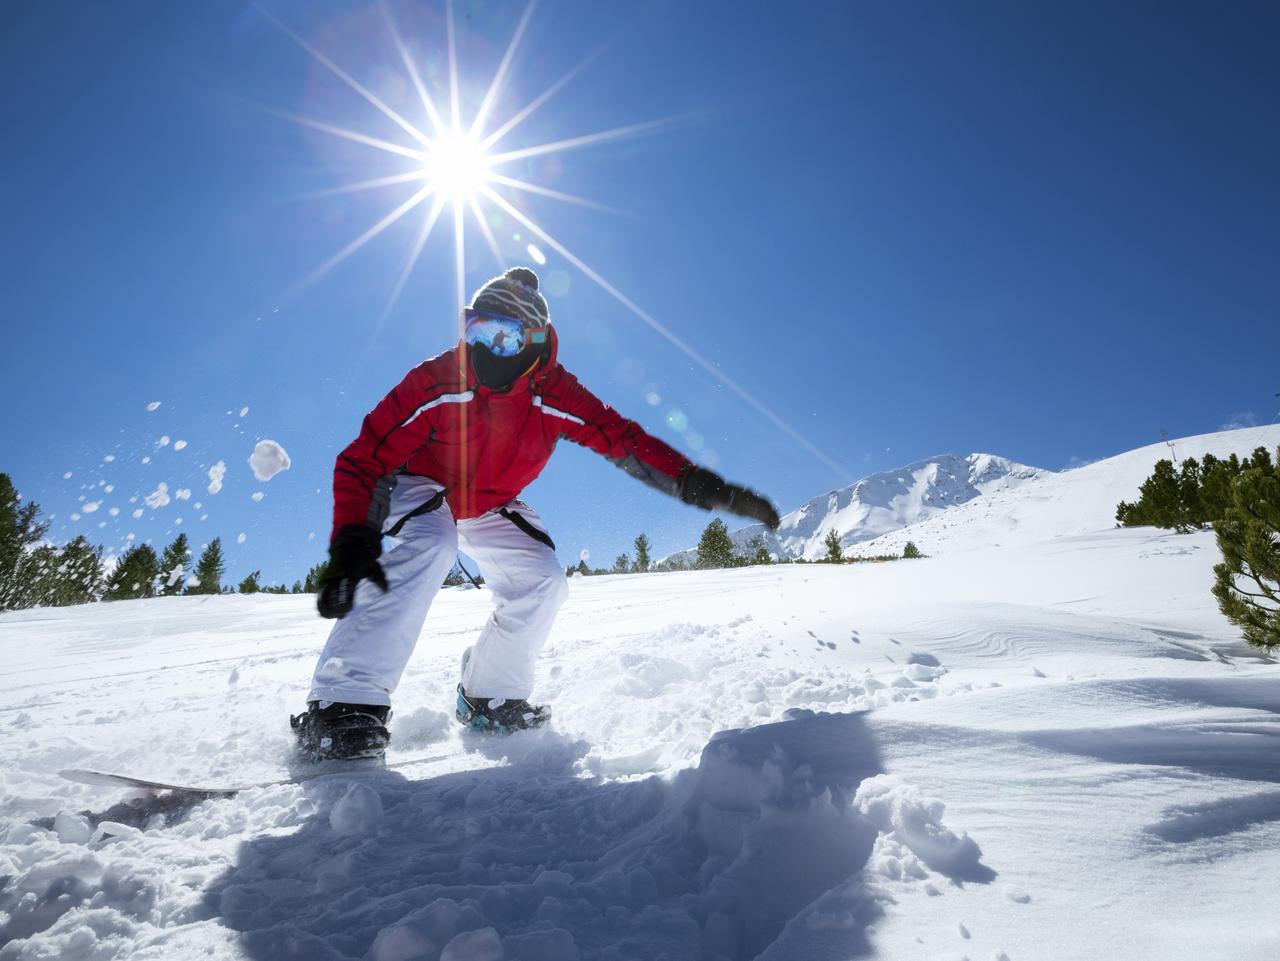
(456, 165)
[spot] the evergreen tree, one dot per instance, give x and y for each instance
(622, 565)
(315, 577)
(19, 530)
(1215, 486)
(715, 549)
(583, 569)
(1159, 501)
(209, 570)
(910, 551)
(250, 584)
(832, 543)
(297, 588)
(1247, 582)
(1189, 480)
(135, 576)
(757, 552)
(173, 563)
(73, 576)
(642, 554)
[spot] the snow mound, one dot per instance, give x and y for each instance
(907, 819)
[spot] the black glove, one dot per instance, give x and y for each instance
(353, 555)
(708, 490)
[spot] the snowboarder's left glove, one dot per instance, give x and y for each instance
(708, 490)
(353, 556)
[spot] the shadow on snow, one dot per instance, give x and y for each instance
(757, 852)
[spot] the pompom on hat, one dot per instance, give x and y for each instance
(515, 294)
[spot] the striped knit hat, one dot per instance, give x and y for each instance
(514, 294)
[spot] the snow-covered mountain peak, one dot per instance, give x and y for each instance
(887, 501)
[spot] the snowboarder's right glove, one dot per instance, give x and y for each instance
(353, 556)
(708, 490)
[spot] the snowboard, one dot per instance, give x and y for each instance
(322, 769)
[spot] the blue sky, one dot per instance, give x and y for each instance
(1047, 231)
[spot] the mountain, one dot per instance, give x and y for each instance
(887, 501)
(1066, 504)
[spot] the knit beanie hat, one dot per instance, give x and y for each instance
(514, 294)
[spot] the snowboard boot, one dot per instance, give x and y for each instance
(330, 731)
(497, 715)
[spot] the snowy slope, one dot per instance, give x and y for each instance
(1060, 505)
(1051, 751)
(885, 502)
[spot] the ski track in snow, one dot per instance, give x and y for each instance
(1055, 750)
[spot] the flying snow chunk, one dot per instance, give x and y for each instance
(268, 459)
(158, 497)
(585, 555)
(244, 411)
(240, 538)
(216, 473)
(538, 256)
(183, 493)
(138, 513)
(67, 476)
(163, 441)
(257, 496)
(92, 506)
(109, 458)
(154, 405)
(179, 444)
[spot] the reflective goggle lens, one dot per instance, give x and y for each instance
(504, 336)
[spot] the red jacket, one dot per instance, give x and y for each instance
(484, 447)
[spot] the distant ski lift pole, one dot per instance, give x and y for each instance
(1165, 435)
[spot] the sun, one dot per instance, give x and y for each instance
(457, 167)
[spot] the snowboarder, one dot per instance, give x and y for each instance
(440, 462)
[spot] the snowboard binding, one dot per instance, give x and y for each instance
(497, 715)
(343, 732)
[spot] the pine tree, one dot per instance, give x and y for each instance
(1189, 481)
(910, 551)
(315, 577)
(173, 562)
(1247, 582)
(583, 569)
(250, 584)
(715, 549)
(831, 542)
(75, 576)
(135, 576)
(209, 570)
(757, 552)
(621, 565)
(19, 530)
(297, 588)
(642, 554)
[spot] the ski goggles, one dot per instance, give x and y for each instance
(504, 336)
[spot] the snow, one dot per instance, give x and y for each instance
(216, 474)
(268, 459)
(887, 501)
(159, 497)
(1054, 748)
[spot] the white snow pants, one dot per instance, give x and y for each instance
(368, 649)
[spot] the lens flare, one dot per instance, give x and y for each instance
(456, 165)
